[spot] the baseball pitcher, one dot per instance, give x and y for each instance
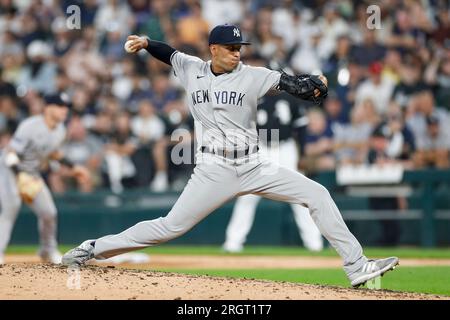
(222, 95)
(36, 141)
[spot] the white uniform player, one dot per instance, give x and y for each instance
(223, 95)
(277, 120)
(36, 140)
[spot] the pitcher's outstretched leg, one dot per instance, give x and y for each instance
(194, 204)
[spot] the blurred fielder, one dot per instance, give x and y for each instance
(36, 141)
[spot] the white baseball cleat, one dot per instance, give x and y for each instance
(53, 257)
(372, 269)
(2, 259)
(78, 256)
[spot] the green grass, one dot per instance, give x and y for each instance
(432, 280)
(402, 252)
(440, 253)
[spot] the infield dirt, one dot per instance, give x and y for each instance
(31, 280)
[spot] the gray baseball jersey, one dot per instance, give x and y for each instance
(223, 107)
(34, 141)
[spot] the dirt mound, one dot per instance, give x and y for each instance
(43, 281)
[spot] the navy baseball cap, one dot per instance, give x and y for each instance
(226, 34)
(57, 99)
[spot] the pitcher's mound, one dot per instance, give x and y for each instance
(43, 281)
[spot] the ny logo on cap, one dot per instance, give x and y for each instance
(236, 32)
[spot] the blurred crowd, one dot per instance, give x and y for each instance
(389, 98)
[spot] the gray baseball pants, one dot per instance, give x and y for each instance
(43, 206)
(216, 181)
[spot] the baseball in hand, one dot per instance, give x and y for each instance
(127, 46)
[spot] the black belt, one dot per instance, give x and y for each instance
(230, 154)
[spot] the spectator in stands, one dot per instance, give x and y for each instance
(377, 88)
(112, 48)
(318, 144)
(62, 81)
(371, 114)
(410, 81)
(34, 103)
(193, 29)
(159, 25)
(140, 11)
(268, 45)
(111, 106)
(12, 66)
(162, 92)
(433, 146)
(338, 61)
(351, 140)
(392, 140)
(30, 29)
(347, 85)
(178, 144)
(11, 114)
(370, 51)
(10, 46)
(81, 102)
(149, 128)
(40, 73)
(440, 34)
(7, 7)
(111, 13)
(421, 22)
(285, 21)
(63, 40)
(306, 58)
(3, 123)
(437, 75)
(80, 148)
(88, 10)
(392, 66)
(422, 106)
(83, 63)
(6, 88)
(223, 11)
(335, 114)
(5, 136)
(120, 169)
(404, 34)
(332, 26)
(140, 90)
(122, 81)
(102, 128)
